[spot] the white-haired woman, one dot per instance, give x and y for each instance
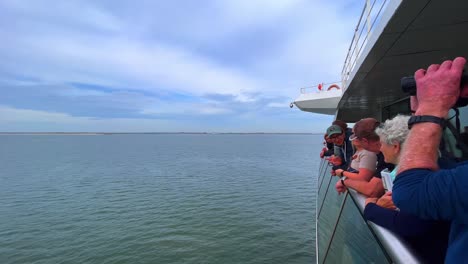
(428, 238)
(392, 135)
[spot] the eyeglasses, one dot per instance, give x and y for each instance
(334, 136)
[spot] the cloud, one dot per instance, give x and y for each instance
(170, 60)
(15, 120)
(71, 14)
(184, 109)
(133, 65)
(278, 104)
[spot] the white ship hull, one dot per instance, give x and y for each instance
(321, 102)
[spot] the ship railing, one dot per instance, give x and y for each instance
(324, 87)
(370, 15)
(343, 235)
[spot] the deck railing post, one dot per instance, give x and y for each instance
(368, 21)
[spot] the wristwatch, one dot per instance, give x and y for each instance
(426, 118)
(343, 179)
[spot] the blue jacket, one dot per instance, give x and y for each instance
(438, 195)
(428, 238)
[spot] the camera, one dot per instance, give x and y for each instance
(408, 86)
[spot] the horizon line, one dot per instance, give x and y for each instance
(109, 133)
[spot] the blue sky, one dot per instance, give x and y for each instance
(168, 66)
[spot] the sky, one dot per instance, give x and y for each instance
(168, 66)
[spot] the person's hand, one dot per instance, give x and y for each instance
(330, 159)
(336, 161)
(438, 88)
(386, 201)
(322, 153)
(371, 200)
(340, 188)
(414, 103)
(339, 172)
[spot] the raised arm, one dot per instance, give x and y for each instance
(418, 189)
(362, 175)
(372, 188)
(438, 89)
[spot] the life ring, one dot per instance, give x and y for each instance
(333, 86)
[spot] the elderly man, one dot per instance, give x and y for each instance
(343, 147)
(420, 188)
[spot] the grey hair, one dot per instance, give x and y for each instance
(394, 130)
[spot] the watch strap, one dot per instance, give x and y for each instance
(343, 179)
(426, 118)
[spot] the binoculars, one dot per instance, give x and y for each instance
(408, 86)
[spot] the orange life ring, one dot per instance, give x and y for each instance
(333, 86)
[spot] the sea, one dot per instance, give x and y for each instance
(158, 198)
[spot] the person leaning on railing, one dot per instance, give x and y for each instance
(420, 188)
(428, 238)
(329, 151)
(364, 131)
(328, 148)
(343, 147)
(362, 165)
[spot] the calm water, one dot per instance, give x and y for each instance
(158, 198)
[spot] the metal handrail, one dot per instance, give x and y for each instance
(356, 46)
(393, 245)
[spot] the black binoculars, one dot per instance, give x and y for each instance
(408, 86)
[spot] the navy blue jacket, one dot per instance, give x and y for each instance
(428, 238)
(438, 195)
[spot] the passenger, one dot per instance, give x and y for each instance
(344, 127)
(428, 238)
(343, 147)
(464, 141)
(363, 163)
(464, 135)
(364, 131)
(328, 150)
(348, 132)
(420, 187)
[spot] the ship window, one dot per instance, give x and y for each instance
(398, 107)
(456, 146)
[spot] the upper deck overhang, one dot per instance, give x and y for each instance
(412, 34)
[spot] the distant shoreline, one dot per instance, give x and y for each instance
(141, 133)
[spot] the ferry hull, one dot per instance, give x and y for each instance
(321, 102)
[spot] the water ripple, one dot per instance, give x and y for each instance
(158, 199)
